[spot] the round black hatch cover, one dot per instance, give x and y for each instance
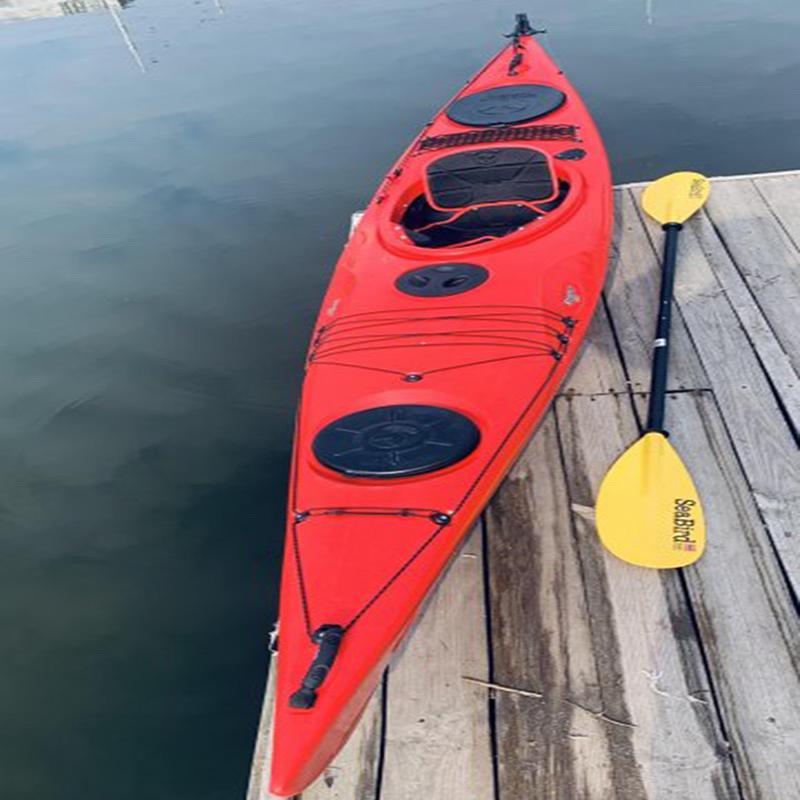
(396, 441)
(441, 280)
(506, 105)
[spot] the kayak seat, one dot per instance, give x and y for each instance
(489, 175)
(475, 225)
(428, 227)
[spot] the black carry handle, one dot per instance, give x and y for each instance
(328, 637)
(658, 385)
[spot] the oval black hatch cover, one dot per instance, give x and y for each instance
(505, 105)
(396, 441)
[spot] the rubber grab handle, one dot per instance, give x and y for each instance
(329, 639)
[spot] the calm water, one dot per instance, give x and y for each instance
(168, 219)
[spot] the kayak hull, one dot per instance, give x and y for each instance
(451, 318)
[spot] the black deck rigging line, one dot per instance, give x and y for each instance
(298, 562)
(370, 329)
(347, 333)
(366, 511)
(570, 324)
(366, 329)
(346, 336)
(394, 578)
(301, 581)
(518, 333)
(485, 337)
(352, 327)
(417, 376)
(371, 348)
(469, 337)
(515, 133)
(499, 308)
(357, 366)
(487, 361)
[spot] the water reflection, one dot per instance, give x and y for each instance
(14, 10)
(28, 9)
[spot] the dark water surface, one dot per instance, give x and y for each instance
(165, 236)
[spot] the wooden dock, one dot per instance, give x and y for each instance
(545, 669)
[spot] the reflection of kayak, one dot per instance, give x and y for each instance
(453, 314)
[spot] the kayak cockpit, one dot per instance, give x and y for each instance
(487, 193)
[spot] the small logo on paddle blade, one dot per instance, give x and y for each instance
(683, 524)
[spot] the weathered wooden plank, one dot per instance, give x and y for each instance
(437, 742)
(774, 359)
(747, 621)
(632, 295)
(649, 664)
(547, 747)
(558, 744)
(761, 436)
(765, 255)
(782, 195)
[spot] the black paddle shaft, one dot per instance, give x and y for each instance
(658, 384)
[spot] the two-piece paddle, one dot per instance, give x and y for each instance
(648, 510)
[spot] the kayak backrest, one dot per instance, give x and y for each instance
(489, 175)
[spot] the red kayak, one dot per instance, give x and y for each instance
(452, 316)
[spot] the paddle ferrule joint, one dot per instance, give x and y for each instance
(329, 639)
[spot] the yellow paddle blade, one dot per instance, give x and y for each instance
(674, 198)
(648, 511)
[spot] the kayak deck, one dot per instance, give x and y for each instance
(544, 667)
